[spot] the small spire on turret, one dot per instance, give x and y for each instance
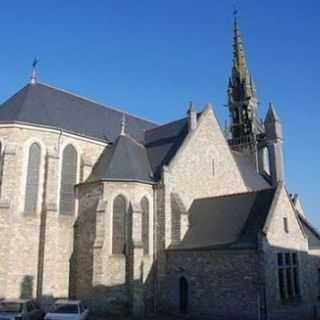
(34, 71)
(272, 124)
(272, 115)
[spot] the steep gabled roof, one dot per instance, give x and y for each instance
(44, 105)
(125, 160)
(227, 222)
(163, 142)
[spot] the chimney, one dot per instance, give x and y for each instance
(192, 117)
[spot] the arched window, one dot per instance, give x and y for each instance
(68, 180)
(266, 160)
(32, 184)
(119, 225)
(145, 225)
(184, 295)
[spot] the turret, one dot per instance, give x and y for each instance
(274, 140)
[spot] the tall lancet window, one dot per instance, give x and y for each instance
(266, 160)
(32, 184)
(119, 225)
(68, 180)
(145, 225)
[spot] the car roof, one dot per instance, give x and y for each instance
(15, 300)
(67, 301)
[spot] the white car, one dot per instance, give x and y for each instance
(20, 309)
(68, 310)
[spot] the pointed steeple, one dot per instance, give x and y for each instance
(239, 59)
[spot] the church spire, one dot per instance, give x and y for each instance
(242, 99)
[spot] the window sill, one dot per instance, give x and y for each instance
(29, 213)
(5, 204)
(118, 256)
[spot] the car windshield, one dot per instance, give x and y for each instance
(13, 307)
(66, 308)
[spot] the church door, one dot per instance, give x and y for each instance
(184, 295)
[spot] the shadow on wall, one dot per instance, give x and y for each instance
(236, 283)
(246, 167)
(26, 287)
(90, 267)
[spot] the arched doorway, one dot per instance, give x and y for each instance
(184, 295)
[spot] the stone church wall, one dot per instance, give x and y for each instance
(112, 283)
(204, 167)
(277, 240)
(221, 284)
(38, 245)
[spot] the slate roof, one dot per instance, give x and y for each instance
(163, 142)
(312, 234)
(125, 160)
(227, 222)
(41, 104)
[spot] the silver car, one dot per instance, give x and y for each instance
(20, 309)
(65, 309)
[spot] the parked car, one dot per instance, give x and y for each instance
(69, 310)
(20, 309)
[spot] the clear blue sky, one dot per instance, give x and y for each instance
(151, 57)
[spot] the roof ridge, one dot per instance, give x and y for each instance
(309, 224)
(166, 124)
(239, 193)
(134, 140)
(117, 109)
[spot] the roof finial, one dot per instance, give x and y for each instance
(123, 124)
(34, 70)
(235, 12)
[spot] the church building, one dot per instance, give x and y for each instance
(134, 217)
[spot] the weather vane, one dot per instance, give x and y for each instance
(235, 10)
(34, 70)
